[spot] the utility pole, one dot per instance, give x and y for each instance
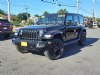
(56, 5)
(77, 6)
(26, 12)
(93, 11)
(8, 10)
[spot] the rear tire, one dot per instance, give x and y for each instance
(21, 50)
(55, 49)
(82, 40)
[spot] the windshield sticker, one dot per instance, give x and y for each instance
(61, 15)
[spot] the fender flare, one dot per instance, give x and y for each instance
(81, 32)
(53, 33)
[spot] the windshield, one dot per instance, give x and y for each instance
(94, 23)
(4, 20)
(52, 19)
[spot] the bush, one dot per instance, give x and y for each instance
(19, 24)
(16, 24)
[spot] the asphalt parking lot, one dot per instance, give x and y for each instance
(77, 60)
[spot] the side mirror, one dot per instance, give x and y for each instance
(69, 22)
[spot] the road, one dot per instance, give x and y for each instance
(77, 60)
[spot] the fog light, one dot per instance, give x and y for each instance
(40, 44)
(47, 36)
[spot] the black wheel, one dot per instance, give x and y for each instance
(82, 40)
(21, 50)
(55, 49)
(7, 35)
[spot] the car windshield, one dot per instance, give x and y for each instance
(94, 23)
(4, 20)
(52, 19)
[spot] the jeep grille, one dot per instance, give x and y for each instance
(29, 34)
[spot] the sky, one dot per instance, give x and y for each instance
(38, 6)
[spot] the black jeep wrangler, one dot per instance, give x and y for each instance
(50, 34)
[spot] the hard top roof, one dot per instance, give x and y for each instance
(65, 14)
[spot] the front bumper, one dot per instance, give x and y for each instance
(6, 32)
(31, 44)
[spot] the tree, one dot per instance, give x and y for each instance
(45, 13)
(88, 17)
(36, 15)
(98, 19)
(14, 18)
(23, 16)
(62, 11)
(2, 12)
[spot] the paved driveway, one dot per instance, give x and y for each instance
(77, 60)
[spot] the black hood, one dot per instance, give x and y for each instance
(42, 27)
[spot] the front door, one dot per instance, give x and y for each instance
(71, 28)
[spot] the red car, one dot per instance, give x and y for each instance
(5, 28)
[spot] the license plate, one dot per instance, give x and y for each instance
(24, 44)
(5, 28)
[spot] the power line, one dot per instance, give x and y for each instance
(23, 6)
(49, 2)
(59, 4)
(71, 6)
(85, 11)
(13, 5)
(66, 5)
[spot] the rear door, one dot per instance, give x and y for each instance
(76, 27)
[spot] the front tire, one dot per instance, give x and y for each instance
(21, 50)
(55, 49)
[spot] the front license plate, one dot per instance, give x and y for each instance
(24, 44)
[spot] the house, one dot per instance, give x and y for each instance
(34, 18)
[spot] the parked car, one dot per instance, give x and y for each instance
(98, 24)
(95, 25)
(51, 34)
(5, 28)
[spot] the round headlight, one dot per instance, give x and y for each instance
(41, 32)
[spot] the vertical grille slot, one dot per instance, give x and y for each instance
(29, 34)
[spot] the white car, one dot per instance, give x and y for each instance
(95, 25)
